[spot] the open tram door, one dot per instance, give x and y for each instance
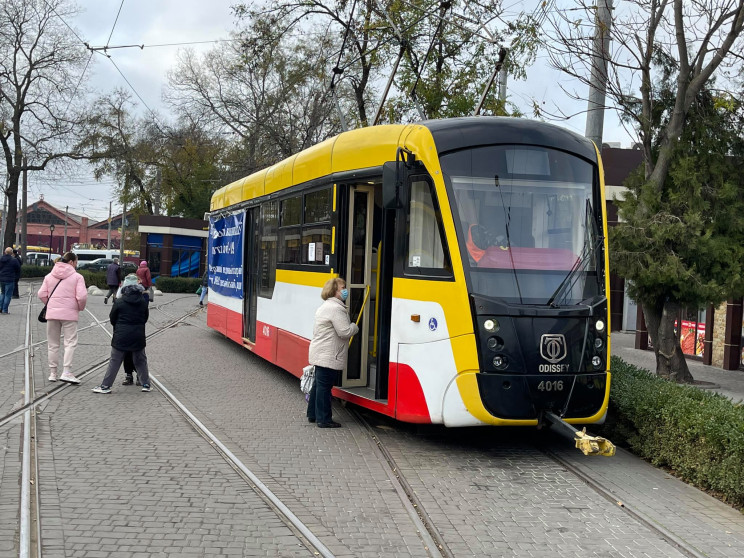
(360, 268)
(251, 274)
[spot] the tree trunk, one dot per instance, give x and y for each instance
(10, 222)
(670, 360)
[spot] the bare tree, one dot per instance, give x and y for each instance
(273, 103)
(688, 45)
(41, 66)
(125, 146)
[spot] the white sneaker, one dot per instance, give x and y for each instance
(53, 377)
(69, 378)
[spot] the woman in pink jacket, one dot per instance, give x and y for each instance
(64, 293)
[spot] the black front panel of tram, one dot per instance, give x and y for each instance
(535, 359)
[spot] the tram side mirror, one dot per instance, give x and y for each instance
(391, 184)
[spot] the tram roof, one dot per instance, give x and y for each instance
(375, 144)
(458, 133)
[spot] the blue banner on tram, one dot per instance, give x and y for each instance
(226, 255)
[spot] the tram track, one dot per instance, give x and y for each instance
(606, 493)
(304, 534)
(594, 484)
(81, 375)
(433, 540)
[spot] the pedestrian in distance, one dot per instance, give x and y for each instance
(129, 368)
(204, 287)
(64, 293)
(113, 279)
(329, 349)
(128, 317)
(17, 256)
(143, 272)
(10, 274)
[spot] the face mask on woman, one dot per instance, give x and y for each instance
(344, 294)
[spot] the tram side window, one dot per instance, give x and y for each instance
(267, 248)
(290, 219)
(426, 252)
(316, 230)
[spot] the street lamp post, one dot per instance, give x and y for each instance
(51, 238)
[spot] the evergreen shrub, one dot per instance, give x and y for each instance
(31, 271)
(697, 435)
(97, 278)
(178, 284)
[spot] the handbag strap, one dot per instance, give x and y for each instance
(54, 289)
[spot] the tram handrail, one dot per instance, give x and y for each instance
(361, 311)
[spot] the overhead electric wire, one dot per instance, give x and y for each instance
(115, 21)
(144, 46)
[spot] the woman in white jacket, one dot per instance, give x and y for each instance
(329, 350)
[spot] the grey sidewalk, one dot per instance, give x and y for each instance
(727, 382)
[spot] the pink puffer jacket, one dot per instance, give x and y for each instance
(70, 297)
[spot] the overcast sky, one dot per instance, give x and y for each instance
(156, 22)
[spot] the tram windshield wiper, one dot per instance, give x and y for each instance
(592, 243)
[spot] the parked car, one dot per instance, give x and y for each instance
(95, 265)
(127, 268)
(101, 264)
(41, 258)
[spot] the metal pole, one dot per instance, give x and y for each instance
(123, 232)
(598, 86)
(502, 84)
(64, 248)
(158, 186)
(24, 210)
(108, 238)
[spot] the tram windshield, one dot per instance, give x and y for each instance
(526, 215)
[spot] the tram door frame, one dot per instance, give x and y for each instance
(358, 290)
(251, 272)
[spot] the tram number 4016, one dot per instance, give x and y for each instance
(550, 385)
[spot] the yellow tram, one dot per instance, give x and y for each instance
(475, 254)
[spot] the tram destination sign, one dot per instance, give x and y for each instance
(226, 255)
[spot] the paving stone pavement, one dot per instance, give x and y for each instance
(125, 475)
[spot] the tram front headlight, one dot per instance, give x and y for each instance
(598, 343)
(494, 343)
(499, 362)
(599, 325)
(491, 325)
(596, 362)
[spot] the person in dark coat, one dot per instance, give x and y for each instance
(17, 256)
(128, 318)
(129, 369)
(113, 279)
(10, 274)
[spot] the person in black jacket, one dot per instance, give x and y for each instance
(17, 256)
(10, 273)
(128, 318)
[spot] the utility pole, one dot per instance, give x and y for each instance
(64, 247)
(123, 232)
(598, 86)
(502, 84)
(108, 238)
(24, 209)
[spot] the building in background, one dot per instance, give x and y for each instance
(173, 246)
(45, 228)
